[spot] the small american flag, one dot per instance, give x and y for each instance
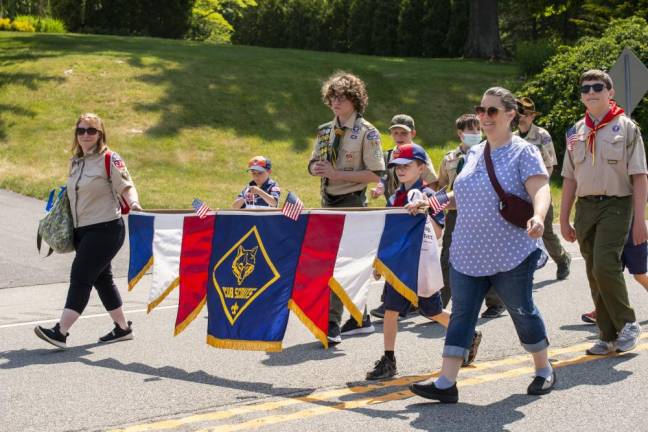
(439, 201)
(200, 208)
(292, 206)
(572, 138)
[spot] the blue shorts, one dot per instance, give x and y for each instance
(635, 258)
(429, 306)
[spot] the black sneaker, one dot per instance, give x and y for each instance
(494, 311)
(472, 353)
(562, 272)
(53, 335)
(428, 390)
(351, 327)
(413, 310)
(333, 335)
(118, 334)
(379, 312)
(383, 368)
(541, 386)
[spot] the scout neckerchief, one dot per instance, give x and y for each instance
(614, 111)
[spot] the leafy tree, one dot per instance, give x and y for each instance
(410, 27)
(384, 36)
(435, 27)
(555, 90)
(457, 28)
(335, 25)
(361, 26)
(209, 20)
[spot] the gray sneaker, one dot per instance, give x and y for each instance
(601, 348)
(628, 337)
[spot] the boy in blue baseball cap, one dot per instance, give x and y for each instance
(410, 162)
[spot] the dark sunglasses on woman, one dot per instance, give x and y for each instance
(598, 88)
(491, 111)
(90, 131)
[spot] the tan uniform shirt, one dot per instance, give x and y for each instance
(448, 168)
(359, 150)
(540, 138)
(93, 198)
(619, 154)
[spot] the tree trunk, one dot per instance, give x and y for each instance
(483, 32)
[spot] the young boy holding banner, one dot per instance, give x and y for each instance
(410, 161)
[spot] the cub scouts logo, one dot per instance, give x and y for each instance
(242, 274)
(243, 264)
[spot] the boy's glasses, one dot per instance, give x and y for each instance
(338, 98)
(598, 88)
(90, 131)
(490, 111)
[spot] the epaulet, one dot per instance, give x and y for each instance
(325, 125)
(364, 122)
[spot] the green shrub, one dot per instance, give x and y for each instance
(555, 90)
(22, 26)
(32, 20)
(51, 25)
(5, 24)
(532, 56)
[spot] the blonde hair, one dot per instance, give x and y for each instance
(95, 121)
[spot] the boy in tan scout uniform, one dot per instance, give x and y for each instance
(347, 156)
(605, 167)
(468, 132)
(539, 137)
(402, 131)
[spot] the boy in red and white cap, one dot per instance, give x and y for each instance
(262, 191)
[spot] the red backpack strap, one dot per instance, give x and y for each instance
(107, 157)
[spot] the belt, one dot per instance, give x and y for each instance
(356, 193)
(597, 197)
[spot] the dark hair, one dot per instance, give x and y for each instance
(467, 121)
(344, 83)
(596, 75)
(508, 100)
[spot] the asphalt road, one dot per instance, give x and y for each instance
(162, 382)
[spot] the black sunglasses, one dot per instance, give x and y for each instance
(598, 88)
(491, 111)
(90, 131)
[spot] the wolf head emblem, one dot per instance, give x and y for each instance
(243, 264)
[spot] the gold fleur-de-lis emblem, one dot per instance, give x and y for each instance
(234, 308)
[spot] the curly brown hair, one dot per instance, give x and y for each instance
(349, 85)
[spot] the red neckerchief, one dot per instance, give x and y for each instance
(401, 198)
(614, 111)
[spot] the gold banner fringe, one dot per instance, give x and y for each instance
(244, 345)
(162, 296)
(346, 300)
(310, 325)
(183, 325)
(133, 282)
(393, 280)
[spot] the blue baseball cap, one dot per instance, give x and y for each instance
(407, 153)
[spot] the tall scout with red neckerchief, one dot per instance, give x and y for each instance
(605, 167)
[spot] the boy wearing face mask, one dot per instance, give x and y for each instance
(469, 135)
(539, 137)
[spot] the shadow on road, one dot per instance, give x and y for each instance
(499, 415)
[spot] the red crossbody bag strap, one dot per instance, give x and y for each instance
(491, 172)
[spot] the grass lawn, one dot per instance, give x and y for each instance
(187, 116)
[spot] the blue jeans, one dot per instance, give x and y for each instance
(514, 287)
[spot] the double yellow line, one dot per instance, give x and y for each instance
(325, 400)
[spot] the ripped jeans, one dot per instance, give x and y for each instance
(514, 287)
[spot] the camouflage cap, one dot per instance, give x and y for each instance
(402, 121)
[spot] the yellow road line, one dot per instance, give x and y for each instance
(403, 394)
(323, 396)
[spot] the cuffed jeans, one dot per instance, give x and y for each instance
(514, 288)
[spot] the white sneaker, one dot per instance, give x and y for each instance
(628, 337)
(601, 348)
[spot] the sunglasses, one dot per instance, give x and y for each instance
(491, 111)
(598, 88)
(90, 131)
